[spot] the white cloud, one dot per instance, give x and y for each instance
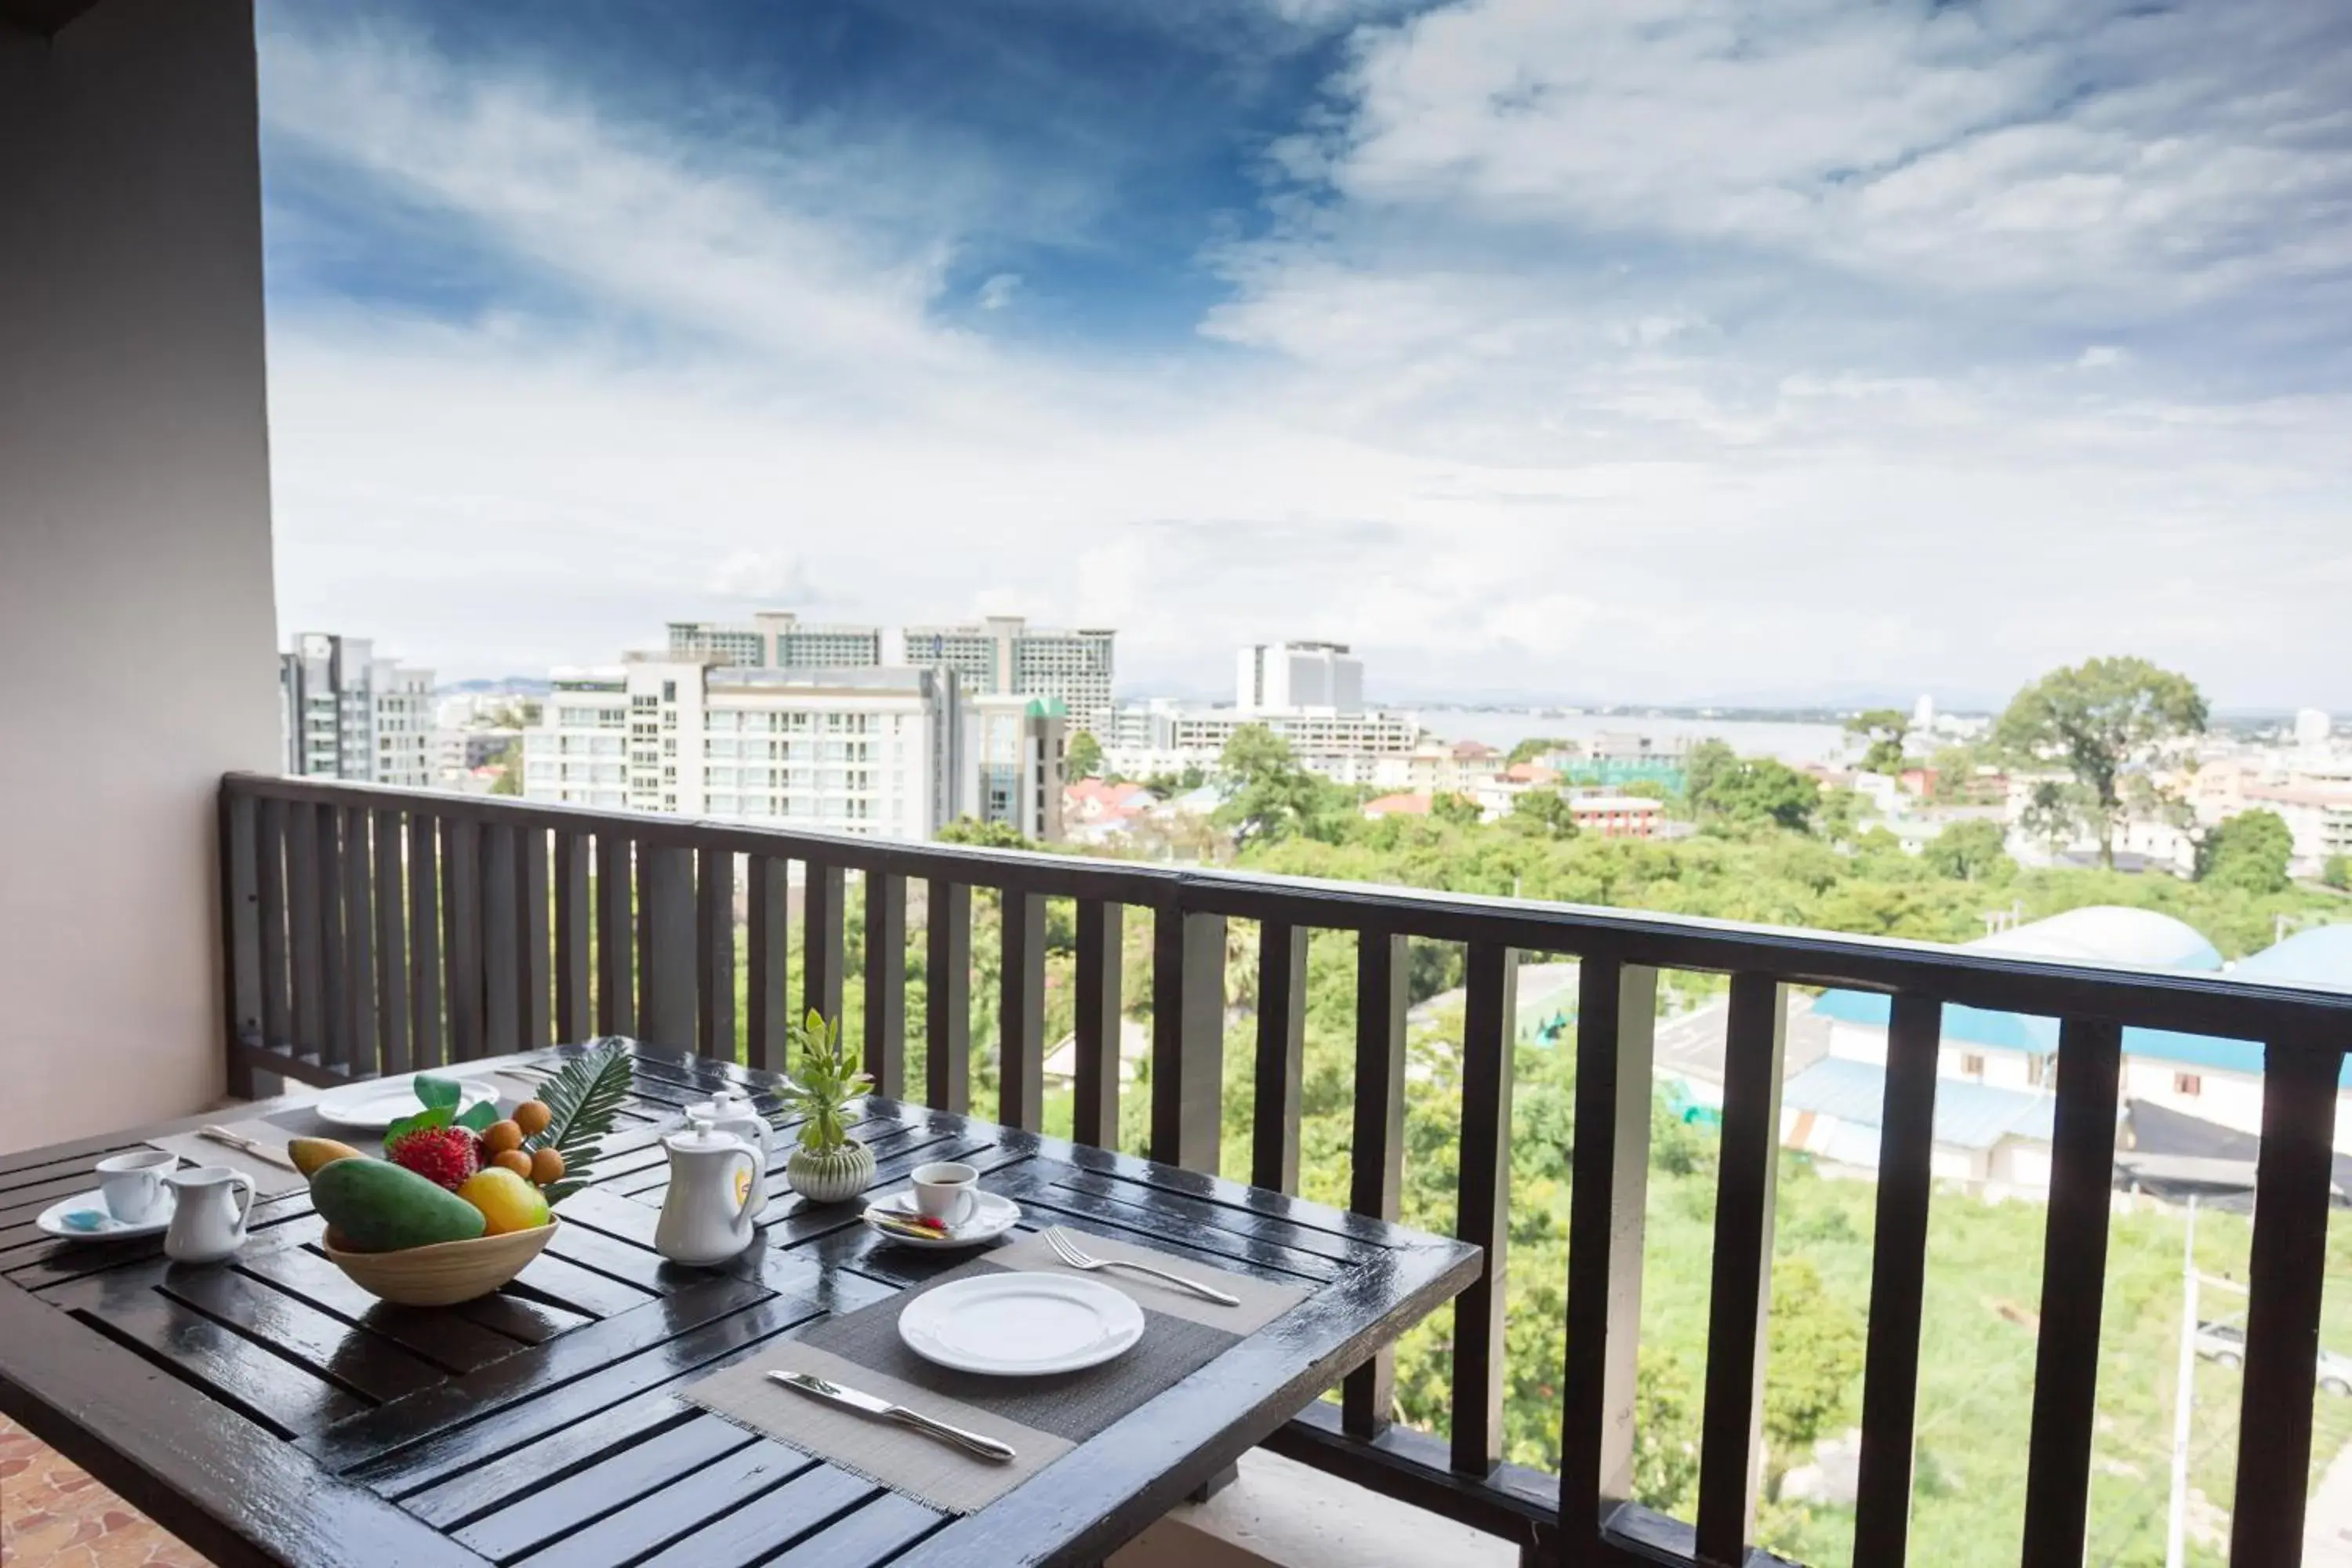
(1608, 352)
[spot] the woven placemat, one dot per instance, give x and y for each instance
(1041, 1418)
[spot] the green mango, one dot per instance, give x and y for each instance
(378, 1207)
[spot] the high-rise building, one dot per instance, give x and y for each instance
(2312, 727)
(1017, 748)
(1004, 655)
(350, 715)
(872, 751)
(1298, 677)
(778, 639)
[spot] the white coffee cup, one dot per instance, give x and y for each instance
(944, 1190)
(132, 1183)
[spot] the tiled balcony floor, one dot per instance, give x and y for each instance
(53, 1515)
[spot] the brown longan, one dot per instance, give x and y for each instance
(514, 1160)
(546, 1167)
(532, 1116)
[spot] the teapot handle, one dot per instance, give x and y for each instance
(750, 1188)
(251, 1190)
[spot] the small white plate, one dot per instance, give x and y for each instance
(378, 1103)
(992, 1215)
(1018, 1324)
(100, 1226)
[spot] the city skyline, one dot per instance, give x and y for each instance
(1915, 347)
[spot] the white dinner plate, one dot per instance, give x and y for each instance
(84, 1217)
(1014, 1324)
(991, 1217)
(377, 1104)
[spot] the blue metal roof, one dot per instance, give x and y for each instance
(1967, 1115)
(2320, 956)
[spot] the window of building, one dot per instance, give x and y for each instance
(669, 690)
(2188, 1083)
(1972, 1065)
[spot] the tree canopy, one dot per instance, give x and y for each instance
(1531, 748)
(1084, 758)
(1971, 851)
(1544, 812)
(1750, 790)
(2249, 851)
(2101, 720)
(1274, 797)
(1882, 729)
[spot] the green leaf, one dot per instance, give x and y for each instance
(423, 1121)
(438, 1094)
(586, 1092)
(481, 1116)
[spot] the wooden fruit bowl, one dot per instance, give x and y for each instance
(446, 1272)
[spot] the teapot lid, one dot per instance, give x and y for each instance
(700, 1136)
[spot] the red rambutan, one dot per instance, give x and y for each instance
(445, 1154)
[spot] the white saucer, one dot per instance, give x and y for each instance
(1021, 1324)
(992, 1215)
(103, 1227)
(378, 1103)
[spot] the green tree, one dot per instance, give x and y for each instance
(509, 766)
(2103, 720)
(1665, 1434)
(1273, 798)
(1882, 730)
(1534, 746)
(1544, 812)
(1758, 789)
(1841, 813)
(1703, 765)
(1971, 851)
(1816, 1361)
(2249, 852)
(984, 835)
(1084, 758)
(1458, 809)
(2336, 873)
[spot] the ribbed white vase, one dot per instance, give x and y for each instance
(834, 1176)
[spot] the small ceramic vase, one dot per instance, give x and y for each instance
(834, 1176)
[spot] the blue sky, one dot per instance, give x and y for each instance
(1622, 350)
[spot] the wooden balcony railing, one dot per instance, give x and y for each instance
(374, 931)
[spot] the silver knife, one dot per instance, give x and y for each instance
(867, 1403)
(252, 1146)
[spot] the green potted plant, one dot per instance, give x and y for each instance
(828, 1165)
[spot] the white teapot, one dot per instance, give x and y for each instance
(714, 1179)
(735, 1113)
(209, 1221)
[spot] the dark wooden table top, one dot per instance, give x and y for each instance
(268, 1411)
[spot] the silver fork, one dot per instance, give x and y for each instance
(1067, 1251)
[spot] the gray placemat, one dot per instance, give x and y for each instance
(1041, 1418)
(269, 1180)
(925, 1468)
(1072, 1404)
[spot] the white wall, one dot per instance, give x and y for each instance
(136, 614)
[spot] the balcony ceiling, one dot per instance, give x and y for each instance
(42, 16)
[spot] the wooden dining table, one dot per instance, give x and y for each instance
(267, 1411)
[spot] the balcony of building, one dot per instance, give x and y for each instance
(178, 925)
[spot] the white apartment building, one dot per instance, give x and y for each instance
(779, 640)
(862, 751)
(1287, 677)
(348, 714)
(1004, 655)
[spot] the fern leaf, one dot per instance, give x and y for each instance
(582, 1098)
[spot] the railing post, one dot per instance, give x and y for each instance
(1376, 1180)
(1281, 1040)
(303, 929)
(1898, 1275)
(714, 902)
(1740, 1296)
(461, 914)
(822, 900)
(1489, 1034)
(530, 931)
(666, 946)
(392, 1055)
(947, 996)
(886, 983)
(240, 936)
(573, 1014)
(1188, 1036)
(336, 1049)
(276, 1024)
(425, 987)
(2074, 1284)
(502, 959)
(1021, 1011)
(2287, 1279)
(767, 1013)
(1616, 1021)
(617, 1005)
(1094, 1118)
